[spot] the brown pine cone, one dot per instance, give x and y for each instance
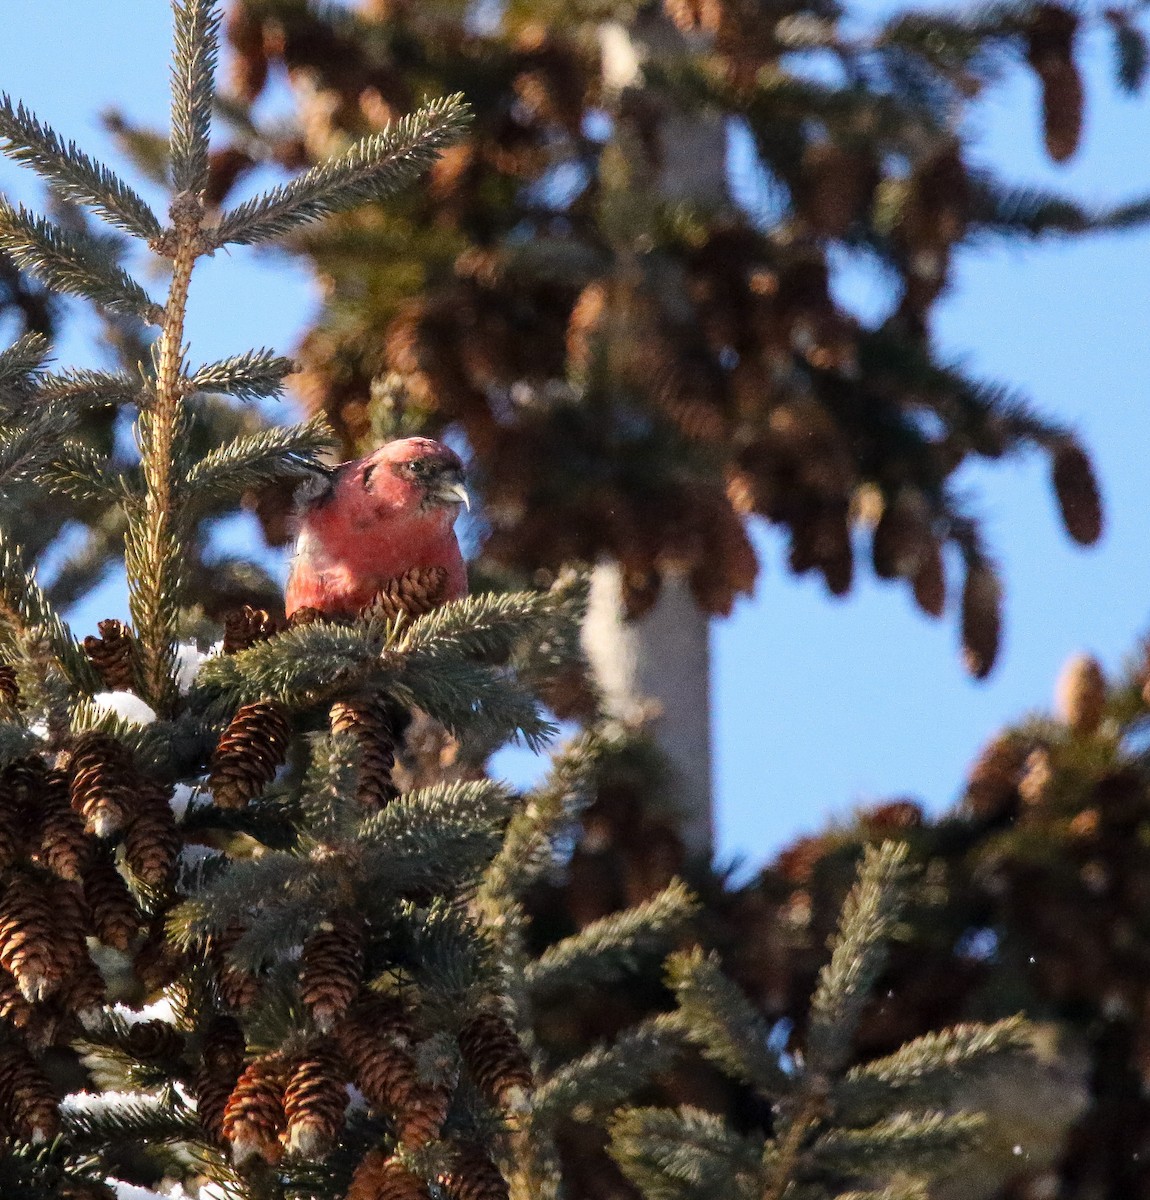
(992, 786)
(315, 1101)
(254, 1117)
(31, 948)
(981, 617)
(239, 989)
(151, 840)
(65, 847)
(157, 962)
(155, 1041)
(221, 1061)
(374, 1038)
(1050, 51)
(243, 627)
(420, 1119)
(414, 593)
(103, 782)
(9, 687)
(1080, 696)
(305, 616)
(15, 1010)
(377, 723)
(473, 1176)
(21, 784)
(115, 918)
(252, 748)
(494, 1056)
(84, 989)
(114, 654)
(28, 1103)
(1076, 488)
(380, 1176)
(331, 968)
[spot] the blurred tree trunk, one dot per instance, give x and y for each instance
(658, 666)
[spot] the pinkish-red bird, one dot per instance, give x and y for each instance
(366, 523)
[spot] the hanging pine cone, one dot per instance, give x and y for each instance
(331, 969)
(1079, 501)
(374, 1038)
(420, 1119)
(103, 782)
(115, 918)
(221, 1061)
(155, 1041)
(1081, 694)
(31, 948)
(64, 846)
(9, 687)
(902, 536)
(254, 1117)
(930, 580)
(151, 840)
(14, 813)
(83, 990)
(239, 989)
(115, 655)
(252, 748)
(495, 1057)
(157, 962)
(377, 723)
(414, 593)
(16, 1010)
(473, 1176)
(1050, 52)
(315, 1101)
(244, 627)
(28, 1103)
(380, 1176)
(981, 617)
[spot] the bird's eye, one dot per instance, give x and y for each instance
(368, 471)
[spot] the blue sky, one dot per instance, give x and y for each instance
(820, 704)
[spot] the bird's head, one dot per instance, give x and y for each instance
(414, 477)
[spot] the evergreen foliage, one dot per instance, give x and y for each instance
(238, 952)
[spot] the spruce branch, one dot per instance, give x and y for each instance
(20, 362)
(373, 168)
(72, 263)
(906, 1141)
(488, 624)
(612, 947)
(23, 602)
(302, 666)
(685, 1154)
(85, 390)
(527, 846)
(858, 956)
(253, 375)
(112, 1118)
(75, 176)
(26, 448)
(926, 1067)
(594, 1084)
(279, 452)
(722, 1021)
(902, 1189)
(78, 471)
(195, 52)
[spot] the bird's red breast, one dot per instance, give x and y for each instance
(377, 519)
